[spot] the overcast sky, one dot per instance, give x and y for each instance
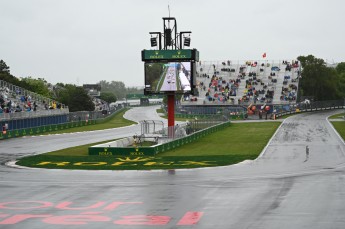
(85, 41)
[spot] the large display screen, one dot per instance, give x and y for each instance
(162, 77)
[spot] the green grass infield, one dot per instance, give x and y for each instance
(340, 127)
(115, 121)
(238, 142)
(336, 116)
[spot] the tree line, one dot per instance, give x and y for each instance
(320, 81)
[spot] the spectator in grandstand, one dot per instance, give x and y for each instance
(1, 100)
(45, 105)
(9, 104)
(22, 99)
(18, 109)
(53, 104)
(27, 108)
(35, 106)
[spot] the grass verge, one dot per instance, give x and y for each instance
(114, 122)
(340, 127)
(336, 116)
(240, 141)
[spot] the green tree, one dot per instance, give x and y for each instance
(108, 97)
(75, 98)
(118, 88)
(39, 85)
(134, 90)
(341, 74)
(318, 80)
(6, 76)
(4, 68)
(340, 67)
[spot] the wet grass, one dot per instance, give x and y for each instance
(340, 127)
(239, 138)
(336, 116)
(114, 122)
(238, 142)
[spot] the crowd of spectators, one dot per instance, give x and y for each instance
(14, 101)
(100, 105)
(259, 83)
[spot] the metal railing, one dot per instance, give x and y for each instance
(188, 111)
(184, 129)
(32, 114)
(308, 106)
(53, 117)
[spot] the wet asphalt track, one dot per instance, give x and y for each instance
(281, 189)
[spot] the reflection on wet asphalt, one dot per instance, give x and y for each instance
(281, 189)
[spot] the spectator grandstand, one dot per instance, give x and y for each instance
(16, 102)
(246, 82)
(94, 91)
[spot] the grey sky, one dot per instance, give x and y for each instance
(85, 41)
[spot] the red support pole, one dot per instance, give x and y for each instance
(171, 115)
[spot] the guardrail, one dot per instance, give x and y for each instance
(312, 107)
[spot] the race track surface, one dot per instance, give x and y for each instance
(283, 188)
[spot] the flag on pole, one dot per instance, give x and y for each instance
(264, 55)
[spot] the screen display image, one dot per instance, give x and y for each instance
(168, 77)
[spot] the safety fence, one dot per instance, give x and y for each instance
(156, 149)
(235, 116)
(240, 112)
(190, 126)
(45, 124)
(32, 114)
(5, 134)
(206, 112)
(308, 106)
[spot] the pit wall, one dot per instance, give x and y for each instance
(156, 149)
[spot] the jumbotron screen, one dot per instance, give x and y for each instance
(162, 77)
